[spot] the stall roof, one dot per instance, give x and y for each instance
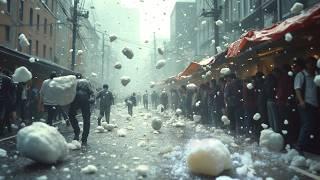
(194, 66)
(276, 31)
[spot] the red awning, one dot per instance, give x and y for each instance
(194, 66)
(276, 31)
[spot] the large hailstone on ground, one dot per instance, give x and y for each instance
(128, 53)
(156, 124)
(271, 140)
(125, 80)
(208, 157)
(296, 8)
(225, 71)
(22, 74)
(42, 143)
(63, 89)
(160, 63)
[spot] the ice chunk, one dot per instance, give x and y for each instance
(160, 51)
(42, 143)
(160, 63)
(225, 178)
(125, 80)
(298, 161)
(297, 8)
(316, 80)
(219, 23)
(113, 38)
(107, 126)
(142, 170)
(122, 132)
(156, 124)
(23, 41)
(22, 74)
(80, 52)
(90, 169)
(192, 86)
(264, 126)
(225, 71)
(100, 129)
(318, 63)
(290, 73)
(152, 84)
(219, 49)
(250, 86)
(118, 65)
(43, 177)
(271, 140)
(94, 74)
(63, 89)
(178, 111)
(196, 118)
(33, 60)
(225, 120)
(288, 37)
(3, 153)
(198, 103)
(208, 157)
(127, 52)
(256, 116)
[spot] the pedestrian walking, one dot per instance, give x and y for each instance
(47, 101)
(82, 101)
(145, 100)
(130, 102)
(106, 100)
(154, 99)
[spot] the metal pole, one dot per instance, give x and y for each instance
(154, 49)
(102, 58)
(74, 32)
(216, 28)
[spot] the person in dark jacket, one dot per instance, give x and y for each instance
(130, 102)
(106, 100)
(164, 99)
(145, 100)
(82, 101)
(7, 101)
(154, 99)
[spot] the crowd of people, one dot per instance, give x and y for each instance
(285, 100)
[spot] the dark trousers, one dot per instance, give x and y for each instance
(308, 118)
(236, 122)
(4, 117)
(145, 104)
(130, 107)
(84, 106)
(52, 113)
(104, 111)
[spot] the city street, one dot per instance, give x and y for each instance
(163, 152)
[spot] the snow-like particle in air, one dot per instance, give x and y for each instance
(250, 86)
(219, 49)
(3, 153)
(225, 71)
(290, 73)
(286, 122)
(79, 52)
(118, 65)
(288, 37)
(225, 120)
(178, 111)
(23, 41)
(318, 63)
(316, 80)
(203, 22)
(94, 74)
(32, 59)
(127, 52)
(112, 38)
(161, 63)
(284, 132)
(160, 51)
(256, 116)
(22, 74)
(142, 170)
(152, 84)
(264, 126)
(125, 80)
(311, 136)
(90, 169)
(219, 23)
(71, 50)
(296, 8)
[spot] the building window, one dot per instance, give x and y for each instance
(9, 5)
(21, 7)
(50, 52)
(38, 22)
(37, 48)
(7, 29)
(51, 30)
(30, 47)
(31, 17)
(45, 26)
(44, 51)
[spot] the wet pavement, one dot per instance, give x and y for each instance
(163, 152)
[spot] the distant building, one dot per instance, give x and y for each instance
(183, 32)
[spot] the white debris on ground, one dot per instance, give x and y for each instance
(99, 129)
(160, 63)
(21, 74)
(296, 8)
(63, 89)
(108, 127)
(125, 80)
(142, 170)
(208, 157)
(271, 140)
(90, 169)
(225, 71)
(128, 53)
(122, 132)
(156, 123)
(42, 143)
(3, 153)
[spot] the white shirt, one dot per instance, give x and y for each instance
(310, 94)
